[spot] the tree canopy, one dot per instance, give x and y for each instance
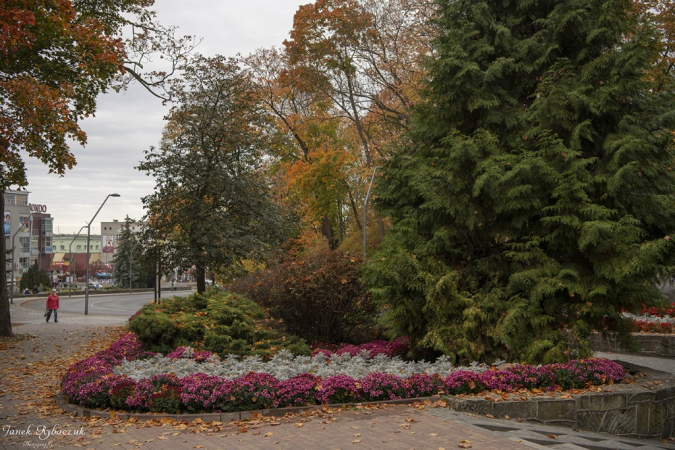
(341, 90)
(534, 203)
(56, 57)
(211, 205)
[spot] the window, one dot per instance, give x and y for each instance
(9, 200)
(47, 244)
(24, 245)
(24, 264)
(34, 241)
(24, 223)
(22, 200)
(47, 225)
(63, 247)
(79, 247)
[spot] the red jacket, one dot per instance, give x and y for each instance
(53, 301)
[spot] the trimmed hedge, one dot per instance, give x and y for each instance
(222, 323)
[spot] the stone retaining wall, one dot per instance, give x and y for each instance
(660, 345)
(641, 410)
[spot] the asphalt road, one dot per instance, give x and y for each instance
(122, 304)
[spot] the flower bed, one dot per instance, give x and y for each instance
(646, 326)
(658, 311)
(654, 320)
(122, 377)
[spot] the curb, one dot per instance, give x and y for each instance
(79, 411)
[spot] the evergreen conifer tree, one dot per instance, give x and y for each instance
(533, 202)
(34, 276)
(128, 261)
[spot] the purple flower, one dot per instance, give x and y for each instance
(337, 389)
(254, 391)
(296, 391)
(463, 382)
(422, 385)
(382, 386)
(190, 353)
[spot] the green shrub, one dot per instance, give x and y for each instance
(319, 297)
(222, 323)
(35, 276)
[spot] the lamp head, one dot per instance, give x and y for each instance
(114, 195)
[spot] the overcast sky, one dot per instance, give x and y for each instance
(126, 124)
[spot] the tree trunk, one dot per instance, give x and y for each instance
(329, 234)
(5, 319)
(355, 211)
(200, 275)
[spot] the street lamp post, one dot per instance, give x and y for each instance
(86, 288)
(13, 254)
(365, 205)
(72, 261)
(131, 275)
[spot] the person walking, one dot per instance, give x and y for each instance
(52, 305)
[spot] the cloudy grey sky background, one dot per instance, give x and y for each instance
(128, 123)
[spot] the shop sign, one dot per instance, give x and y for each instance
(38, 208)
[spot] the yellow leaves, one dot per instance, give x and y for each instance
(464, 443)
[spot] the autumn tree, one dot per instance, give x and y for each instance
(659, 15)
(56, 57)
(211, 205)
(534, 204)
(308, 145)
(342, 89)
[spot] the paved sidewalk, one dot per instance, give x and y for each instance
(31, 367)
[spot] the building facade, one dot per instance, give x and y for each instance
(28, 232)
(42, 239)
(70, 254)
(110, 236)
(17, 234)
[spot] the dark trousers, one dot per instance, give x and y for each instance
(49, 314)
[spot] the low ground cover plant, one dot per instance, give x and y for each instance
(218, 322)
(98, 382)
